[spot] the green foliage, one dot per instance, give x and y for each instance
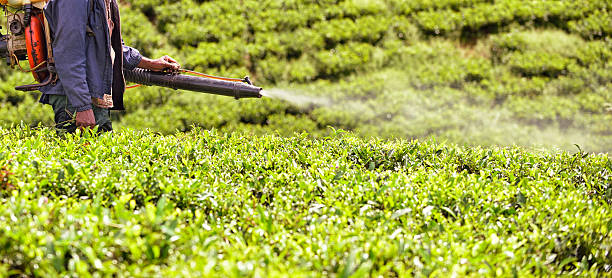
(29, 111)
(180, 113)
(302, 70)
(217, 205)
(208, 55)
(543, 112)
(187, 23)
(138, 32)
(282, 190)
(466, 71)
(596, 25)
(217, 35)
(367, 29)
(553, 42)
(8, 95)
(439, 21)
(344, 59)
(536, 63)
(491, 17)
(597, 52)
(419, 5)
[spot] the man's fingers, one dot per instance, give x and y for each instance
(164, 63)
(174, 66)
(171, 66)
(170, 59)
(85, 125)
(171, 62)
(85, 119)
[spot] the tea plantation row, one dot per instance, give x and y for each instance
(233, 37)
(469, 71)
(138, 204)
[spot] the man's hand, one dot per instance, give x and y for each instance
(85, 119)
(160, 64)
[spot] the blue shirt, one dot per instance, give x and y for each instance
(82, 56)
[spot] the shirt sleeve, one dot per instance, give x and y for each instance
(131, 57)
(69, 49)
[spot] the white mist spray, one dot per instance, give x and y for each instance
(415, 114)
(295, 98)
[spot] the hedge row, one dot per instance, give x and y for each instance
(232, 36)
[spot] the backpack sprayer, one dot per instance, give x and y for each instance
(28, 38)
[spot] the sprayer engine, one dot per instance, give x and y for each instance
(27, 38)
(14, 43)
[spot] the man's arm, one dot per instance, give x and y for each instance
(133, 59)
(70, 21)
(164, 63)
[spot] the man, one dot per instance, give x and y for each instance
(86, 35)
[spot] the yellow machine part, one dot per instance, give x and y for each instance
(19, 3)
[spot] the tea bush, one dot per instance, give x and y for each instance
(278, 188)
(534, 63)
(209, 204)
(486, 55)
(596, 25)
(142, 34)
(493, 17)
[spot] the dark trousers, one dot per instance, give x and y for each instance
(65, 114)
